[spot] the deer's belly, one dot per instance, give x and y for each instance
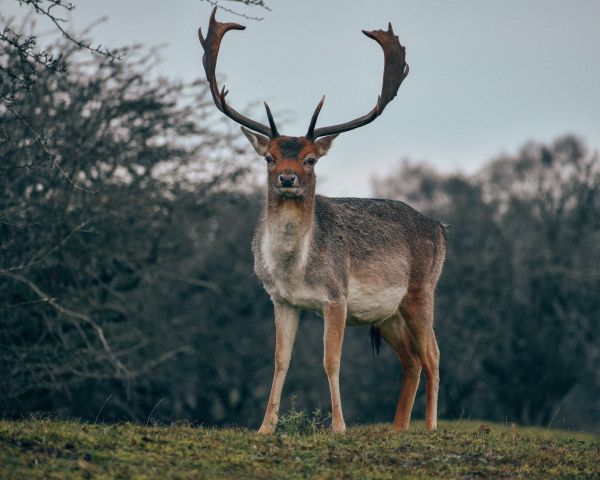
(367, 302)
(371, 302)
(299, 294)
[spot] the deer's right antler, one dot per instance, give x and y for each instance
(211, 44)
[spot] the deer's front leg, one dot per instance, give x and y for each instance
(286, 324)
(335, 322)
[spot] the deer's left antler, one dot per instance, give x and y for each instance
(394, 72)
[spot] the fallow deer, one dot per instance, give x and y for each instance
(353, 261)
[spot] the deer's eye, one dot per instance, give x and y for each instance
(269, 159)
(311, 161)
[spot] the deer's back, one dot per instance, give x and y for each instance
(377, 232)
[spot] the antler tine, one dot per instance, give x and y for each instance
(394, 72)
(274, 132)
(313, 120)
(211, 44)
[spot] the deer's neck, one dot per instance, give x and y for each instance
(288, 233)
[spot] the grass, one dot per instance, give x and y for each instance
(67, 449)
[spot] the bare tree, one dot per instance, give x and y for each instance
(23, 61)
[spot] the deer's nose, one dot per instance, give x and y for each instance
(288, 180)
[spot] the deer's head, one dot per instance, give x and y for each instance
(291, 160)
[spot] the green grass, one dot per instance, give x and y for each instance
(32, 449)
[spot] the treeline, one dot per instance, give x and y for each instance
(518, 312)
(126, 284)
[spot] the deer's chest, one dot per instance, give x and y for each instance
(285, 257)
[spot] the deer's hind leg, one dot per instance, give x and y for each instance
(396, 334)
(417, 311)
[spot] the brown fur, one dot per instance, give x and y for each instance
(354, 261)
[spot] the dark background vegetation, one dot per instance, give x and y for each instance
(126, 285)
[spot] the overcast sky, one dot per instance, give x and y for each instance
(485, 76)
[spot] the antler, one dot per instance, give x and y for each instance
(394, 72)
(211, 44)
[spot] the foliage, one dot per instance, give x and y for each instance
(52, 449)
(23, 60)
(302, 422)
(517, 306)
(92, 234)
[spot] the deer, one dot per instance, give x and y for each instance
(353, 261)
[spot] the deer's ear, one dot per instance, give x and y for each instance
(258, 141)
(324, 144)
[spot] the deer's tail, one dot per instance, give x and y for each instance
(375, 334)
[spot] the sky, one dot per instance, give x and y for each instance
(485, 76)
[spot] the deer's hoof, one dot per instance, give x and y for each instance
(431, 427)
(400, 428)
(339, 429)
(266, 430)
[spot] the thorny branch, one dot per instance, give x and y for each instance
(124, 371)
(20, 76)
(43, 143)
(253, 3)
(39, 8)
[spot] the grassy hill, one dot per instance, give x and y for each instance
(65, 449)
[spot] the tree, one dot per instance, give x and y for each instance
(516, 308)
(84, 240)
(23, 61)
(550, 332)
